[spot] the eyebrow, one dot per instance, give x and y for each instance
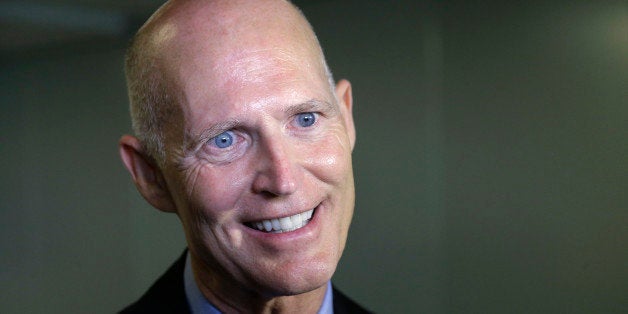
(214, 130)
(312, 105)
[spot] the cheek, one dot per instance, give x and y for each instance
(211, 212)
(211, 195)
(330, 160)
(334, 167)
(216, 192)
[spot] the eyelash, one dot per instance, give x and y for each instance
(314, 115)
(215, 154)
(236, 138)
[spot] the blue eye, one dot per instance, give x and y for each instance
(306, 119)
(224, 139)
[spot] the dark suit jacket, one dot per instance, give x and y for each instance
(167, 295)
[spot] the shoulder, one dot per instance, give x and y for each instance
(343, 304)
(166, 295)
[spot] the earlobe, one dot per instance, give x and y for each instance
(345, 101)
(146, 175)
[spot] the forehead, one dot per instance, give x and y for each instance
(224, 60)
(246, 74)
(219, 33)
(220, 73)
(248, 83)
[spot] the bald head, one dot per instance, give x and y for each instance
(218, 39)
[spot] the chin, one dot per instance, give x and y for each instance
(299, 279)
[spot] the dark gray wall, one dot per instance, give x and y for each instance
(491, 164)
(75, 236)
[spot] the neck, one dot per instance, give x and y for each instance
(229, 297)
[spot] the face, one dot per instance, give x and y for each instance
(261, 170)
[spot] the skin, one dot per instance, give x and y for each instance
(252, 68)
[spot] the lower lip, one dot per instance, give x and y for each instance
(290, 235)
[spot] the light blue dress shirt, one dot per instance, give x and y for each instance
(200, 305)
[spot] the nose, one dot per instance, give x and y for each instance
(277, 168)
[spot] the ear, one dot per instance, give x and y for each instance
(345, 101)
(148, 178)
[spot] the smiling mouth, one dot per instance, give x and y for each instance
(283, 224)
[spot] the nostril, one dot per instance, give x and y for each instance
(272, 185)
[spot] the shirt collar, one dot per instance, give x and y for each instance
(200, 305)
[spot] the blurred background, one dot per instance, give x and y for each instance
(491, 162)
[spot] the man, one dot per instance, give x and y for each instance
(241, 132)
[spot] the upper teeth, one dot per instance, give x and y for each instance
(284, 224)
